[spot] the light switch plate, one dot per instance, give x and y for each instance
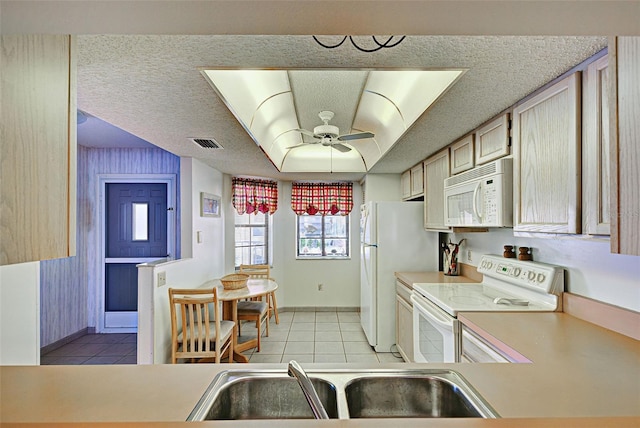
(162, 278)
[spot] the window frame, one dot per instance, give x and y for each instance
(323, 237)
(268, 234)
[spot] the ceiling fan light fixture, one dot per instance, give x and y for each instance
(326, 131)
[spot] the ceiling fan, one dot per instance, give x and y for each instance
(329, 135)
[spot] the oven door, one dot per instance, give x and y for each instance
(435, 333)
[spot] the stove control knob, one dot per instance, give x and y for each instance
(531, 275)
(516, 272)
(541, 277)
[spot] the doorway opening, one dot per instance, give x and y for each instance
(138, 225)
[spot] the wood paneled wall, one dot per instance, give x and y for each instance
(69, 285)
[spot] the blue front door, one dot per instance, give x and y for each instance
(136, 232)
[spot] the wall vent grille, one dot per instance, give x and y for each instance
(207, 143)
(496, 167)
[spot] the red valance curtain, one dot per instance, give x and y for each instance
(253, 196)
(322, 198)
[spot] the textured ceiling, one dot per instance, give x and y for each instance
(151, 86)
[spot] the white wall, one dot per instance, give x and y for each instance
(298, 279)
(201, 261)
(591, 270)
(20, 314)
(382, 187)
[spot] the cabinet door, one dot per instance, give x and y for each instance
(624, 69)
(417, 180)
(595, 149)
(462, 155)
(436, 170)
(404, 329)
(492, 140)
(546, 143)
(405, 183)
(38, 174)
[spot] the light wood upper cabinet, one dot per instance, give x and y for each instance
(436, 170)
(417, 180)
(38, 138)
(405, 184)
(546, 143)
(492, 140)
(624, 102)
(412, 182)
(462, 156)
(595, 149)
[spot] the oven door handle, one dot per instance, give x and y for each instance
(426, 308)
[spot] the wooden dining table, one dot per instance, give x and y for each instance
(256, 287)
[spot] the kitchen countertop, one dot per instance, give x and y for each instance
(410, 278)
(579, 370)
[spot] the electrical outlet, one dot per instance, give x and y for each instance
(320, 287)
(469, 258)
(162, 278)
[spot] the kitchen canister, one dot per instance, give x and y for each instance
(450, 258)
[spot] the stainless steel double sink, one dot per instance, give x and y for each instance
(345, 394)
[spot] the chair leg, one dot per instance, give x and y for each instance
(273, 306)
(259, 325)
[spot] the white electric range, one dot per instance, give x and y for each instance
(508, 285)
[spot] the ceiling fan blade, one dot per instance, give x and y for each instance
(358, 136)
(341, 147)
(305, 132)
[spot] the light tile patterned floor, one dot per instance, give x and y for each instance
(307, 337)
(317, 337)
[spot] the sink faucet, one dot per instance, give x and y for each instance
(295, 371)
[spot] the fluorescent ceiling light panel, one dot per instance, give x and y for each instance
(271, 108)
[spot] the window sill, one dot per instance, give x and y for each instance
(322, 258)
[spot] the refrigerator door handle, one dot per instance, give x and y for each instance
(370, 245)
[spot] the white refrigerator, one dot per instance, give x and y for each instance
(392, 239)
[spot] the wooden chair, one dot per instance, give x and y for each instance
(263, 271)
(254, 310)
(194, 335)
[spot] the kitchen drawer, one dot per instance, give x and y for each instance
(403, 291)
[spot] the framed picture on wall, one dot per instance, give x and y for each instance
(209, 205)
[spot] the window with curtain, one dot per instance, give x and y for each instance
(255, 201)
(322, 198)
(322, 219)
(252, 196)
(253, 239)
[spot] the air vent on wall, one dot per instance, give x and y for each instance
(207, 143)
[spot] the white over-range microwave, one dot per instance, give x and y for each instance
(480, 197)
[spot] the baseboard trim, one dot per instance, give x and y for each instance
(319, 309)
(68, 339)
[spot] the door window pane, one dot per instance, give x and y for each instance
(140, 221)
